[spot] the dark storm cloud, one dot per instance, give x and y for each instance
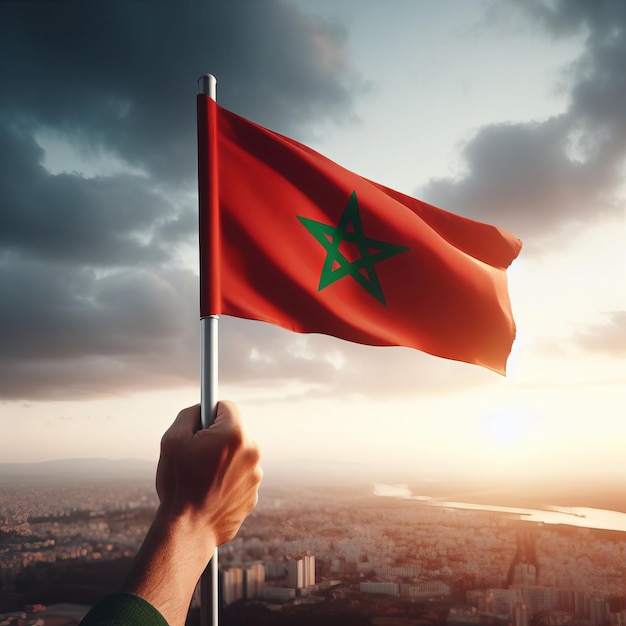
(535, 178)
(67, 331)
(70, 218)
(122, 75)
(564, 17)
(91, 300)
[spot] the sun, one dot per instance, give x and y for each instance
(506, 428)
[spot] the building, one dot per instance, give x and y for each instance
(308, 569)
(232, 585)
(501, 601)
(253, 581)
(301, 572)
(520, 615)
(426, 589)
(389, 589)
(295, 574)
(278, 594)
(275, 570)
(599, 611)
(524, 574)
(399, 571)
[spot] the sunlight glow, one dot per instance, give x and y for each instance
(506, 428)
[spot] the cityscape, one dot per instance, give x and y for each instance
(328, 553)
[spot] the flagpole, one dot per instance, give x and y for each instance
(207, 200)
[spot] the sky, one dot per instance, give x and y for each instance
(510, 113)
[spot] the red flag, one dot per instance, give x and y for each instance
(301, 242)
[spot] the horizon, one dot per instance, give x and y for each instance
(488, 491)
(529, 503)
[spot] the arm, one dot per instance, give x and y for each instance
(207, 483)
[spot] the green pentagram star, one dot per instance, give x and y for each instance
(350, 230)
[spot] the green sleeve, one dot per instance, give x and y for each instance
(123, 609)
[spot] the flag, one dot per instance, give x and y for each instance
(296, 240)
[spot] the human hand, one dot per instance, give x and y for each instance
(208, 478)
(207, 482)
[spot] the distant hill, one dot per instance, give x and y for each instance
(78, 470)
(305, 473)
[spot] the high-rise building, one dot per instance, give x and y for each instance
(253, 581)
(232, 585)
(581, 604)
(599, 611)
(301, 572)
(309, 570)
(295, 574)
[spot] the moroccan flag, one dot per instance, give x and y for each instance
(298, 241)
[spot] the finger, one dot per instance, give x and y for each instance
(188, 420)
(227, 417)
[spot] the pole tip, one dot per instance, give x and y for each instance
(206, 85)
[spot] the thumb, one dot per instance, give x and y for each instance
(227, 417)
(227, 425)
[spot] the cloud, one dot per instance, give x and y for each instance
(103, 221)
(520, 176)
(120, 76)
(608, 338)
(259, 355)
(96, 295)
(69, 332)
(540, 178)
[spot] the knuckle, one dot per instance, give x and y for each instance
(236, 436)
(258, 475)
(253, 455)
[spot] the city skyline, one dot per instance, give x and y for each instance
(322, 552)
(510, 114)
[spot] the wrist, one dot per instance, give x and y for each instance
(170, 562)
(185, 532)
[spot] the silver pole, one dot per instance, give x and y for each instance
(208, 385)
(209, 593)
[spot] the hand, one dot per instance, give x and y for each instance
(208, 477)
(207, 482)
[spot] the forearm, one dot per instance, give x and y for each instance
(169, 564)
(207, 482)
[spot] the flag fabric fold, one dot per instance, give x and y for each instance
(314, 248)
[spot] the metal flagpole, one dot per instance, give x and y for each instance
(209, 594)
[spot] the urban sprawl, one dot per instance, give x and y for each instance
(326, 547)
